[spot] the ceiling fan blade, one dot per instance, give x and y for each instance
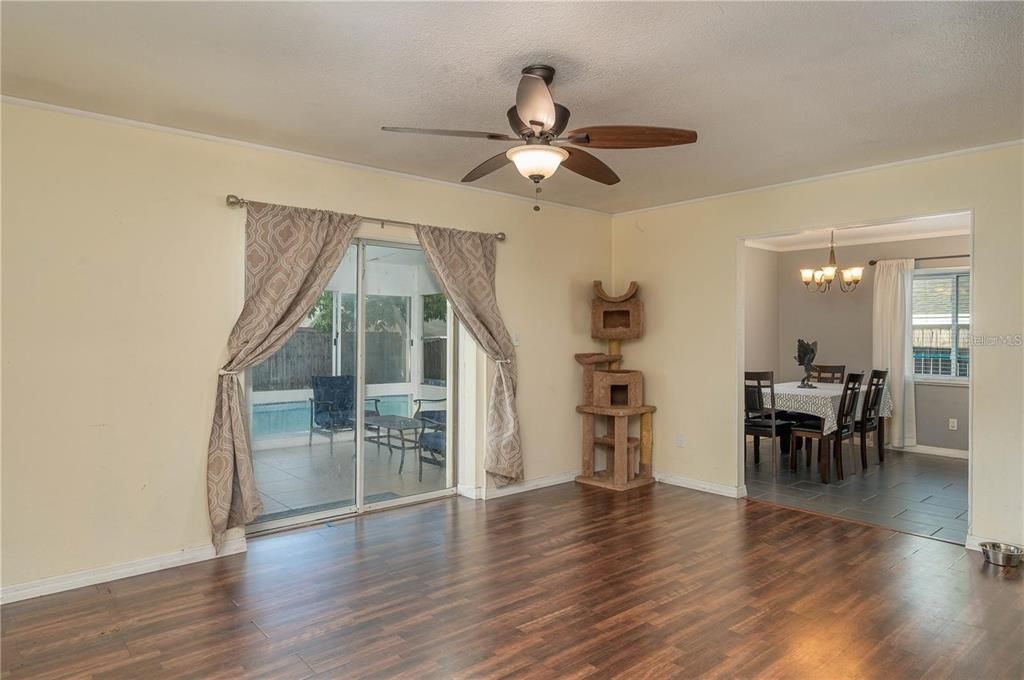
(534, 104)
(561, 120)
(590, 166)
(487, 167)
(518, 126)
(452, 133)
(630, 137)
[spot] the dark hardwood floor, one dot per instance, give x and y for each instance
(561, 582)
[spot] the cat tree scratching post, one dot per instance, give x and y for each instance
(615, 395)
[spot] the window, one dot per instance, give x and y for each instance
(435, 339)
(941, 323)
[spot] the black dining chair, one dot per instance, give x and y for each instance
(831, 443)
(760, 418)
(869, 420)
(828, 373)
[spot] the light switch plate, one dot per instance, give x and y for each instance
(680, 440)
(953, 424)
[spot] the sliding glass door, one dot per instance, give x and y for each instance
(406, 380)
(371, 357)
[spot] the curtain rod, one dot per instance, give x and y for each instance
(238, 202)
(922, 259)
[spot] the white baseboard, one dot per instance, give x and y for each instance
(90, 577)
(974, 542)
(932, 451)
(701, 485)
(528, 485)
(473, 492)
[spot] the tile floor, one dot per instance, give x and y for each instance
(915, 493)
(299, 479)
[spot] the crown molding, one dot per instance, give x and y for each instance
(764, 244)
(131, 122)
(831, 175)
(46, 106)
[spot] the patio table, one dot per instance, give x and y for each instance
(823, 401)
(394, 429)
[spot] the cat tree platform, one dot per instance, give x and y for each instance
(629, 458)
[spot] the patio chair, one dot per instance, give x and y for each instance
(332, 408)
(432, 438)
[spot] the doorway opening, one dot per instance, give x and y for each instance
(357, 411)
(911, 475)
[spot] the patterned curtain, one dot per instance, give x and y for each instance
(464, 264)
(290, 255)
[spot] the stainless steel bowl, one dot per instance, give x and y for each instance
(1002, 554)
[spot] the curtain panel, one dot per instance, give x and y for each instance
(892, 345)
(290, 255)
(464, 264)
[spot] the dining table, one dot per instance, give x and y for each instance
(822, 401)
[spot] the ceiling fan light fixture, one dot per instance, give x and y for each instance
(536, 161)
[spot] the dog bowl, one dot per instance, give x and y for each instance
(1002, 554)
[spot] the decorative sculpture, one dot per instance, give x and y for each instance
(616, 395)
(805, 353)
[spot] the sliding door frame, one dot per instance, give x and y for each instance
(360, 506)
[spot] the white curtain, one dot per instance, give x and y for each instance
(892, 345)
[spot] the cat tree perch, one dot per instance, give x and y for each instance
(615, 395)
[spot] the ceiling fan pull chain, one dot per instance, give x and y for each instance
(536, 203)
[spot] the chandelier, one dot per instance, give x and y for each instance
(822, 277)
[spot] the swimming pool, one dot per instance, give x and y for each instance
(281, 418)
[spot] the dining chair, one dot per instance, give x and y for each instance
(761, 419)
(832, 442)
(869, 420)
(828, 373)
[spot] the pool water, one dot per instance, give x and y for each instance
(275, 419)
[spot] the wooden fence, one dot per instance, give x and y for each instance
(308, 353)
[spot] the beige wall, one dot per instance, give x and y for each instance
(122, 275)
(761, 309)
(686, 256)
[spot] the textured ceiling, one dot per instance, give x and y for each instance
(777, 91)
(953, 224)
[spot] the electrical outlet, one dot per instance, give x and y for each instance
(680, 440)
(515, 339)
(953, 424)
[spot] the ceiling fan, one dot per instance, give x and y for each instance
(538, 122)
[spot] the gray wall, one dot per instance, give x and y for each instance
(936, 404)
(841, 323)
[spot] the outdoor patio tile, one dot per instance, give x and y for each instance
(271, 505)
(268, 473)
